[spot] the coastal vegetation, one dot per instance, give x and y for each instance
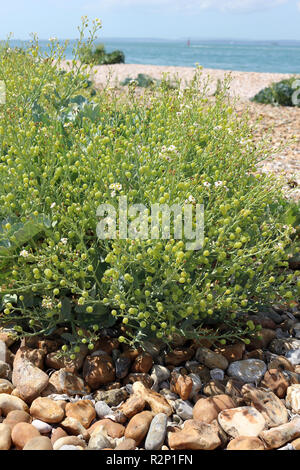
(283, 93)
(64, 152)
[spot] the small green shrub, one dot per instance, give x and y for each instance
(280, 93)
(98, 55)
(62, 154)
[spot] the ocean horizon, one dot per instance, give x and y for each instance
(239, 55)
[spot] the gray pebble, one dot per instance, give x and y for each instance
(217, 374)
(184, 409)
(293, 356)
(102, 409)
(122, 367)
(43, 428)
(157, 432)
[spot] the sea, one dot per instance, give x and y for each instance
(254, 56)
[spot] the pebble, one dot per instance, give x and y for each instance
(211, 359)
(268, 404)
(293, 356)
(184, 409)
(122, 367)
(9, 403)
(132, 406)
(293, 398)
(68, 440)
(112, 397)
(248, 371)
(98, 371)
(38, 443)
(6, 386)
(29, 379)
(5, 370)
(157, 432)
(5, 437)
(47, 410)
(279, 436)
(195, 435)
(22, 433)
(197, 384)
(102, 409)
(207, 410)
(41, 426)
(246, 443)
(82, 410)
(157, 403)
(217, 374)
(138, 426)
(275, 380)
(159, 373)
(243, 421)
(98, 441)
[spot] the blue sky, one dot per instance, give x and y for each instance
(204, 19)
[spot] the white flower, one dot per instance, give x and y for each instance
(116, 186)
(53, 205)
(190, 199)
(206, 184)
(24, 253)
(47, 303)
(64, 241)
(218, 183)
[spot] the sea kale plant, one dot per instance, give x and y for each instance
(63, 153)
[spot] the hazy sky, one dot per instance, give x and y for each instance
(207, 19)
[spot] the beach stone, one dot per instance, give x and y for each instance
(277, 437)
(138, 426)
(246, 443)
(159, 373)
(233, 389)
(122, 367)
(65, 382)
(57, 433)
(82, 410)
(184, 409)
(38, 443)
(9, 403)
(112, 429)
(200, 370)
(282, 346)
(43, 428)
(102, 409)
(275, 381)
(267, 335)
(6, 386)
(29, 379)
(178, 356)
(293, 398)
(207, 410)
(35, 356)
(217, 374)
(132, 406)
(54, 360)
(69, 441)
(293, 356)
(5, 437)
(7, 336)
(197, 384)
(255, 354)
(142, 363)
(111, 397)
(127, 444)
(107, 344)
(5, 370)
(211, 359)
(145, 379)
(22, 433)
(181, 384)
(47, 410)
(296, 444)
(268, 404)
(157, 403)
(243, 421)
(74, 427)
(98, 370)
(157, 432)
(17, 416)
(249, 370)
(195, 436)
(98, 441)
(232, 352)
(214, 387)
